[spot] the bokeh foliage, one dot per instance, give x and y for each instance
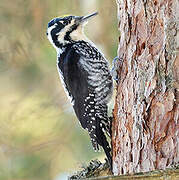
(40, 138)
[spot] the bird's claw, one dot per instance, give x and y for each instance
(116, 68)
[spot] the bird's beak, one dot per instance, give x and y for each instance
(81, 19)
(85, 18)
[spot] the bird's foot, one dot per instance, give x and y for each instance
(116, 68)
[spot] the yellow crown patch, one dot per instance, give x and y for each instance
(65, 15)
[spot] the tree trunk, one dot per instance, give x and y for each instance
(145, 134)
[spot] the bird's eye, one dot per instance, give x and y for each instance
(64, 23)
(59, 24)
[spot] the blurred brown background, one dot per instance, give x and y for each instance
(40, 137)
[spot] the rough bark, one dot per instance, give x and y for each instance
(169, 174)
(146, 114)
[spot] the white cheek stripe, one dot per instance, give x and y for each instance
(62, 33)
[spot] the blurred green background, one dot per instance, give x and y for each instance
(40, 137)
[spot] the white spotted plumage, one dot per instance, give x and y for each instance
(98, 68)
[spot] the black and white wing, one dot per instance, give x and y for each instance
(88, 81)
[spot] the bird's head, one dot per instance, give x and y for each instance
(68, 29)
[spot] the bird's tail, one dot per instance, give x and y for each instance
(102, 141)
(98, 138)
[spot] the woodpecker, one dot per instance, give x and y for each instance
(85, 74)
